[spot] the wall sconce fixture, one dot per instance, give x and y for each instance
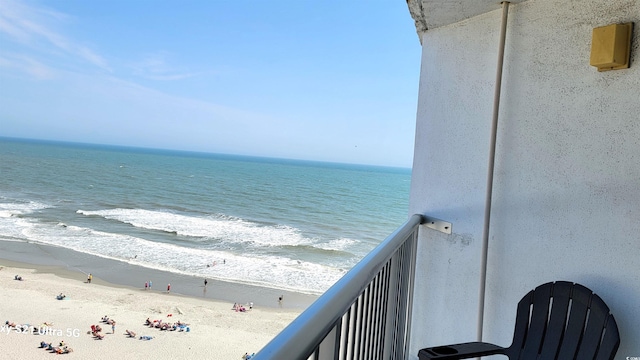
(611, 46)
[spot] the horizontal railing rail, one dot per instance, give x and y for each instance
(365, 315)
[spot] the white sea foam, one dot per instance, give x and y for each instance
(342, 244)
(11, 222)
(218, 227)
(265, 270)
(4, 238)
(14, 208)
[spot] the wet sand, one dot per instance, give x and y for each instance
(76, 265)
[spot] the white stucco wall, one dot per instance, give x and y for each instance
(566, 201)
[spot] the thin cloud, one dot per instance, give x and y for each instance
(27, 65)
(29, 25)
(10, 29)
(156, 67)
(93, 58)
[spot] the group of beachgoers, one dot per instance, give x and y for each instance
(26, 328)
(149, 284)
(62, 348)
(164, 325)
(17, 327)
(96, 329)
(241, 308)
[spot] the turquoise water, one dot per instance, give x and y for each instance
(286, 224)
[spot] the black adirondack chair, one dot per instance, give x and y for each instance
(557, 320)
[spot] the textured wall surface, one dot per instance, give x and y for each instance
(566, 199)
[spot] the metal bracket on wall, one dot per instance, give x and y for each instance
(437, 224)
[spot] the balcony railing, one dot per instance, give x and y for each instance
(365, 315)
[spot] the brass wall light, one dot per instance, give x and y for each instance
(611, 46)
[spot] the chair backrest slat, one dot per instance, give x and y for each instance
(538, 322)
(580, 298)
(593, 331)
(561, 298)
(521, 327)
(610, 340)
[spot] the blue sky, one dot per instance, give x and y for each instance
(315, 80)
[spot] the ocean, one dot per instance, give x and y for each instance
(282, 224)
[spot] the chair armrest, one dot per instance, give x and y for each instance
(460, 351)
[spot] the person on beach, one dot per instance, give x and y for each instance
(89, 277)
(113, 327)
(146, 285)
(280, 299)
(205, 282)
(150, 284)
(168, 288)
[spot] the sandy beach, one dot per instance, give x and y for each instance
(216, 331)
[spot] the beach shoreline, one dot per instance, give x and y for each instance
(215, 331)
(75, 265)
